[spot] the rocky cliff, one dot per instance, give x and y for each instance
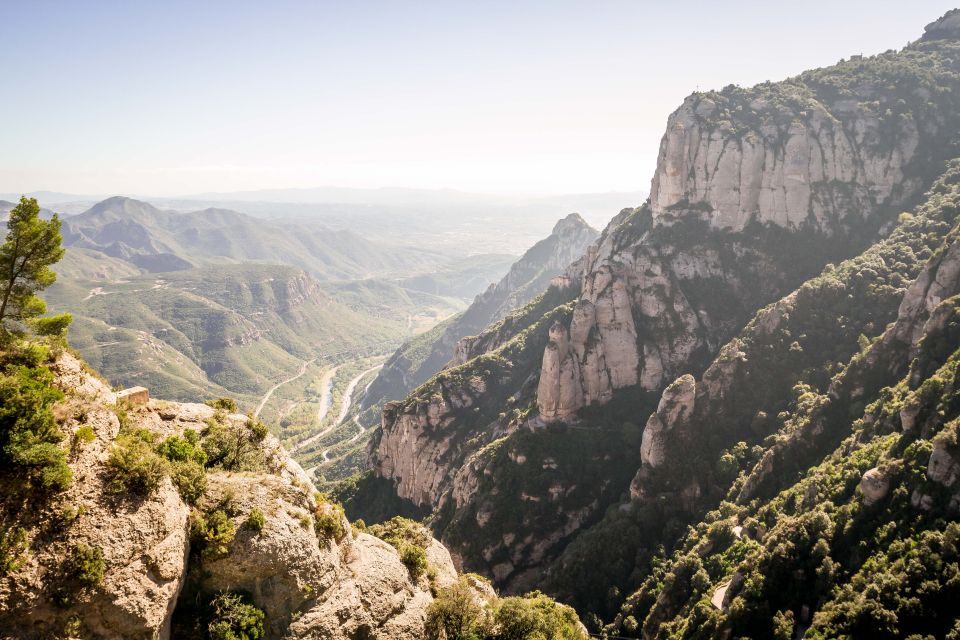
(103, 560)
(844, 478)
(420, 358)
(756, 191)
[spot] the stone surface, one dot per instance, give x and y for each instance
(875, 486)
(308, 586)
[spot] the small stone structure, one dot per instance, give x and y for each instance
(133, 396)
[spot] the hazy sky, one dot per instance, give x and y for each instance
(168, 98)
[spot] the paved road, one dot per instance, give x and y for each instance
(266, 397)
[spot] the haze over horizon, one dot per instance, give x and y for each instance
(542, 98)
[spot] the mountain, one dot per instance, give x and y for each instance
(147, 518)
(230, 329)
(158, 240)
(423, 355)
(714, 346)
(420, 358)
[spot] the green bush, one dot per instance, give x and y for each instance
(14, 544)
(85, 565)
(535, 616)
(415, 559)
(455, 614)
(226, 404)
(85, 434)
(256, 520)
(54, 325)
(234, 618)
(29, 434)
(190, 479)
(233, 446)
(134, 464)
(213, 533)
(183, 449)
(328, 519)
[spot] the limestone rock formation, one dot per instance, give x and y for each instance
(308, 583)
(559, 393)
(875, 486)
(542, 266)
(676, 405)
(943, 467)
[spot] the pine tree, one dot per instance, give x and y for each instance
(32, 245)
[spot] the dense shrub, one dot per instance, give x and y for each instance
(134, 464)
(328, 519)
(29, 435)
(256, 520)
(535, 616)
(53, 326)
(14, 544)
(234, 446)
(85, 565)
(414, 558)
(212, 533)
(234, 618)
(460, 613)
(225, 404)
(409, 538)
(456, 614)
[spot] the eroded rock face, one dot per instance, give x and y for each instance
(309, 584)
(875, 486)
(675, 407)
(790, 168)
(943, 468)
(559, 393)
(143, 541)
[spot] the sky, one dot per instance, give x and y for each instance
(533, 97)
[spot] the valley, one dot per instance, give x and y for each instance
(725, 408)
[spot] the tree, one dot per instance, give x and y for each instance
(32, 245)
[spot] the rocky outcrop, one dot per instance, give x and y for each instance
(676, 406)
(785, 165)
(308, 582)
(874, 485)
(793, 156)
(543, 266)
(756, 191)
(943, 467)
(559, 393)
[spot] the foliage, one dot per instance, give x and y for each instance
(234, 446)
(212, 533)
(460, 613)
(234, 618)
(535, 616)
(328, 520)
(54, 326)
(85, 565)
(456, 614)
(31, 246)
(135, 465)
(256, 520)
(226, 404)
(29, 434)
(14, 546)
(409, 538)
(414, 558)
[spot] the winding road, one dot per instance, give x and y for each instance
(326, 383)
(345, 408)
(266, 397)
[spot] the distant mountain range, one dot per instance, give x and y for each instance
(158, 240)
